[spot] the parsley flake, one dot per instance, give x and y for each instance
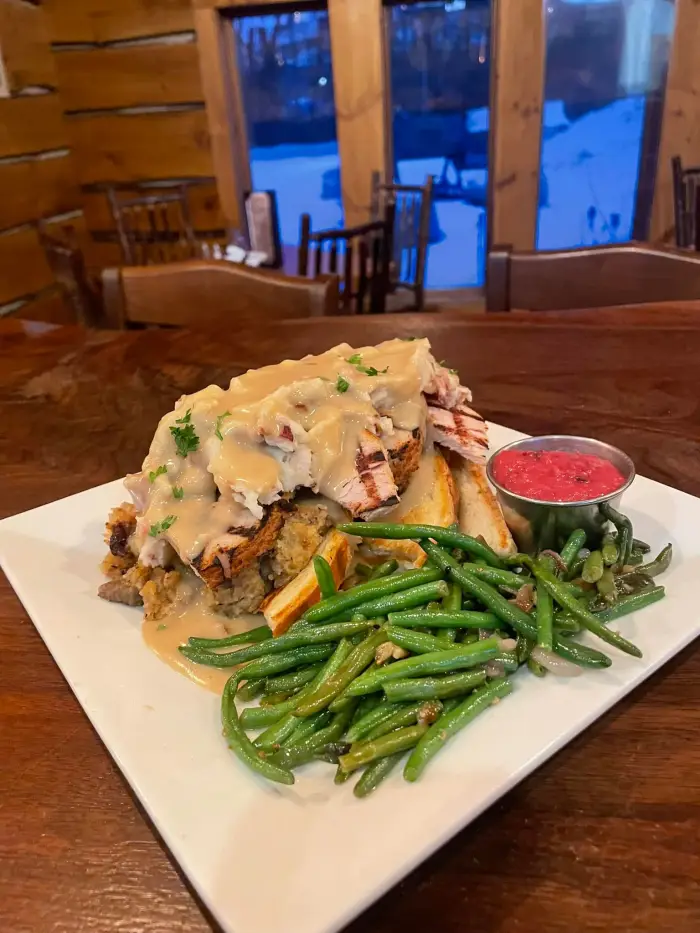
(154, 474)
(342, 384)
(219, 421)
(161, 627)
(186, 418)
(444, 363)
(178, 492)
(356, 361)
(159, 527)
(186, 439)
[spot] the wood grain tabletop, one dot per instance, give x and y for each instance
(603, 837)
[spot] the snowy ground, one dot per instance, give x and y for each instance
(589, 164)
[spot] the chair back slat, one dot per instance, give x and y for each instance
(367, 250)
(413, 204)
(153, 228)
(211, 293)
(594, 277)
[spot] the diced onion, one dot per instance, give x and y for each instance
(553, 663)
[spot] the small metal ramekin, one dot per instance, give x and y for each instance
(538, 524)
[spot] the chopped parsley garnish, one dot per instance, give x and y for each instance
(161, 627)
(409, 338)
(444, 363)
(342, 384)
(159, 527)
(356, 361)
(178, 492)
(186, 418)
(186, 439)
(219, 421)
(154, 474)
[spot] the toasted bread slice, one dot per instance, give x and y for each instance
(431, 499)
(285, 606)
(479, 509)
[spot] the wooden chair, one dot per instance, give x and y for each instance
(154, 228)
(65, 257)
(411, 232)
(211, 293)
(364, 252)
(594, 277)
(686, 204)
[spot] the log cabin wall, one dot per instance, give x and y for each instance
(37, 178)
(128, 73)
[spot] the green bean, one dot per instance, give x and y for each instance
(508, 660)
(274, 699)
(635, 558)
(593, 567)
(577, 566)
(363, 570)
(544, 614)
(660, 564)
(286, 661)
(365, 752)
(366, 592)
(447, 536)
(297, 638)
(374, 774)
(433, 688)
(452, 722)
(358, 659)
(363, 726)
(624, 530)
(627, 604)
(259, 718)
(291, 756)
(460, 619)
(384, 569)
(425, 712)
(485, 593)
(290, 682)
(468, 638)
(331, 752)
(608, 549)
(324, 576)
(341, 776)
(606, 585)
(303, 728)
(252, 689)
(452, 659)
(523, 648)
(496, 577)
(240, 744)
(366, 705)
(580, 654)
(395, 602)
(416, 642)
(574, 543)
(252, 637)
(536, 667)
(565, 622)
(588, 620)
(451, 603)
(641, 546)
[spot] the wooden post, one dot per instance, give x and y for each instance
(517, 92)
(680, 130)
(360, 87)
(225, 116)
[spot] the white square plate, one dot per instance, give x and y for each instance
(330, 855)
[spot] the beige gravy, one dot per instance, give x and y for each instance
(194, 618)
(274, 430)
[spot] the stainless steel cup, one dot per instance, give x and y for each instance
(537, 524)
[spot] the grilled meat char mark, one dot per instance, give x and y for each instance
(372, 489)
(404, 456)
(228, 556)
(460, 429)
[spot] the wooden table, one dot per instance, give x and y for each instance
(604, 837)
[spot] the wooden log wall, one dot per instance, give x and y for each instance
(129, 78)
(37, 177)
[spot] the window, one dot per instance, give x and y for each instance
(287, 82)
(605, 76)
(439, 54)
